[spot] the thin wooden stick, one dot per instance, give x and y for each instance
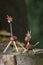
(11, 29)
(7, 47)
(36, 44)
(15, 46)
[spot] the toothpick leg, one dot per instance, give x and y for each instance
(21, 46)
(15, 46)
(7, 47)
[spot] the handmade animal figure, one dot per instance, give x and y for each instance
(27, 39)
(28, 45)
(12, 38)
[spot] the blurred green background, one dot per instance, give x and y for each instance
(35, 20)
(27, 15)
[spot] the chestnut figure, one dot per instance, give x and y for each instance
(13, 38)
(27, 39)
(29, 47)
(9, 18)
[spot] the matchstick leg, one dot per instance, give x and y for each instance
(21, 46)
(7, 47)
(15, 46)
